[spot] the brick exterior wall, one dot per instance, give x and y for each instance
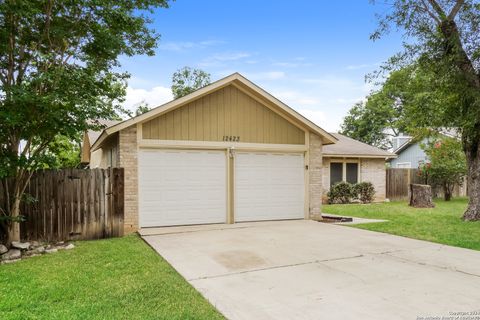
(315, 177)
(128, 153)
(371, 170)
(326, 178)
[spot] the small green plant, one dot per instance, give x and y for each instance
(364, 191)
(342, 192)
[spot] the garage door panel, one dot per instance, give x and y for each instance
(179, 187)
(269, 186)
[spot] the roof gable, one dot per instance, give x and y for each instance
(227, 111)
(240, 82)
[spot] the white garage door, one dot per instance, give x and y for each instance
(269, 186)
(179, 187)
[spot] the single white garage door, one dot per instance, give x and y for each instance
(179, 187)
(269, 186)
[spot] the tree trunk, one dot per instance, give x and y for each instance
(447, 192)
(14, 226)
(421, 196)
(473, 185)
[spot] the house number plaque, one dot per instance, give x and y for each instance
(231, 138)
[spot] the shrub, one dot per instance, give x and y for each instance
(342, 192)
(364, 191)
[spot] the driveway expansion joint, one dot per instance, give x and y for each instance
(433, 265)
(275, 267)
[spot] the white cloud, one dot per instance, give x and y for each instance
(153, 97)
(294, 98)
(220, 59)
(325, 99)
(187, 45)
(318, 117)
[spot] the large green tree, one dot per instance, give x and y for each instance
(380, 117)
(442, 39)
(58, 76)
(187, 80)
(63, 152)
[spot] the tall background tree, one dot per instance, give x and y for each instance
(187, 80)
(380, 117)
(443, 48)
(58, 77)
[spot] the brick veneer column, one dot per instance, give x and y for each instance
(128, 154)
(315, 176)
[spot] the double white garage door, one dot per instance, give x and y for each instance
(180, 187)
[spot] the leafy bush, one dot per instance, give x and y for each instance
(447, 166)
(364, 191)
(342, 192)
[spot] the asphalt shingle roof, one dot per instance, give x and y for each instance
(351, 147)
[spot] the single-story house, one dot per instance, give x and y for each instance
(353, 161)
(228, 152)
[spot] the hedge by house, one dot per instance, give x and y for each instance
(344, 192)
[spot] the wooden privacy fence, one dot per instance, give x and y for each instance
(399, 179)
(74, 204)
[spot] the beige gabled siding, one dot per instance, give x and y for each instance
(225, 112)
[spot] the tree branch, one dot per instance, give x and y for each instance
(455, 9)
(429, 12)
(438, 9)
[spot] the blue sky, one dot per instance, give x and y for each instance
(312, 55)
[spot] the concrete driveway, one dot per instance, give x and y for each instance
(310, 270)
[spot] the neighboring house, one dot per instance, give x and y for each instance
(102, 157)
(409, 153)
(226, 153)
(353, 161)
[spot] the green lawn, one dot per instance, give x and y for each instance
(119, 278)
(442, 224)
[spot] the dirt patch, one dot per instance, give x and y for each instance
(239, 259)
